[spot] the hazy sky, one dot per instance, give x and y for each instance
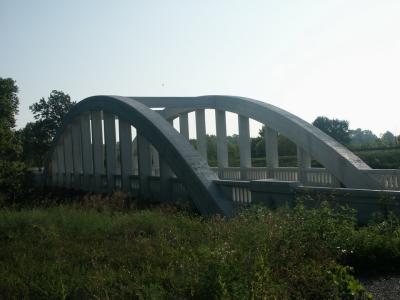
(334, 58)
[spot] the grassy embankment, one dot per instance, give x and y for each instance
(70, 252)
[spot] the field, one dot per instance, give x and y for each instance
(98, 251)
(376, 159)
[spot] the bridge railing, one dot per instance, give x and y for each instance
(313, 176)
(389, 179)
(274, 193)
(238, 191)
(284, 173)
(320, 177)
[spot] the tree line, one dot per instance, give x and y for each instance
(357, 140)
(26, 147)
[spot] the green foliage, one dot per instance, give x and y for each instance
(37, 136)
(36, 141)
(376, 159)
(376, 248)
(347, 285)
(385, 158)
(8, 102)
(233, 154)
(337, 129)
(285, 146)
(83, 253)
(52, 110)
(13, 181)
(12, 171)
(364, 138)
(10, 148)
(388, 139)
(381, 159)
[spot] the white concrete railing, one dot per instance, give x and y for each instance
(284, 174)
(236, 190)
(241, 194)
(389, 179)
(230, 173)
(320, 177)
(317, 176)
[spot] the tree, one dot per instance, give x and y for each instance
(337, 129)
(35, 143)
(388, 139)
(257, 147)
(52, 111)
(361, 137)
(8, 102)
(12, 171)
(37, 136)
(233, 150)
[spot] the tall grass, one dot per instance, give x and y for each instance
(68, 252)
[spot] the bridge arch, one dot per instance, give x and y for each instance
(337, 159)
(86, 144)
(189, 166)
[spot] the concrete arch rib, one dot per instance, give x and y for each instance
(341, 162)
(183, 159)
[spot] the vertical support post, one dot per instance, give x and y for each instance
(201, 132)
(135, 157)
(271, 150)
(87, 154)
(165, 182)
(155, 161)
(144, 162)
(244, 146)
(165, 178)
(69, 163)
(60, 162)
(110, 143)
(98, 151)
(125, 141)
(184, 125)
(77, 152)
(54, 169)
(303, 163)
(222, 146)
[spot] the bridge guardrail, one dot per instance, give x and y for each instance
(275, 193)
(388, 178)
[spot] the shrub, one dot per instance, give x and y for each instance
(67, 252)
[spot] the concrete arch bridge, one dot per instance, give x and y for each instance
(96, 150)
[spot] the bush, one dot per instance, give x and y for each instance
(381, 159)
(66, 252)
(12, 181)
(376, 248)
